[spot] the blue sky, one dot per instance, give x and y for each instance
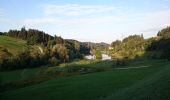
(87, 20)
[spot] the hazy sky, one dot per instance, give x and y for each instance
(87, 20)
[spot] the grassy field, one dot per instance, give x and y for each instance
(19, 75)
(13, 45)
(150, 83)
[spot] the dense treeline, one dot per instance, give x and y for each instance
(100, 46)
(160, 47)
(164, 33)
(82, 47)
(130, 47)
(32, 36)
(135, 45)
(42, 49)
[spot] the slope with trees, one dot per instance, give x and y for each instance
(41, 49)
(135, 45)
(130, 47)
(160, 46)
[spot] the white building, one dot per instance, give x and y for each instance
(104, 57)
(90, 57)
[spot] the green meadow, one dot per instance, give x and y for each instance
(133, 83)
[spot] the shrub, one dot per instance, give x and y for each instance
(54, 61)
(98, 54)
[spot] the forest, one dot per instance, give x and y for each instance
(43, 49)
(56, 50)
(135, 46)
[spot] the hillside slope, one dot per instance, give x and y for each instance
(13, 45)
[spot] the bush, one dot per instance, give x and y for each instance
(98, 54)
(54, 61)
(154, 55)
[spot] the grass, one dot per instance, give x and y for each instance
(154, 87)
(151, 83)
(17, 75)
(13, 45)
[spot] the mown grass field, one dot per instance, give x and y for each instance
(150, 83)
(13, 45)
(18, 75)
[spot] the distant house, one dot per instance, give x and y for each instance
(104, 57)
(90, 57)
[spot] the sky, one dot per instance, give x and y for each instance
(87, 20)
